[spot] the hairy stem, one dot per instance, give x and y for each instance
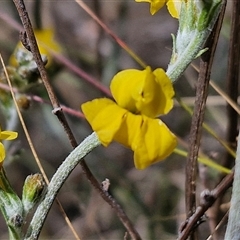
(233, 227)
(58, 112)
(57, 181)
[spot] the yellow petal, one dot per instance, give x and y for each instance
(174, 7)
(164, 93)
(145, 92)
(2, 154)
(155, 143)
(126, 86)
(105, 117)
(8, 135)
(150, 139)
(155, 5)
(128, 133)
(156, 96)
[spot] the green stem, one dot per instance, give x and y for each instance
(14, 234)
(176, 68)
(233, 227)
(195, 25)
(57, 181)
(11, 207)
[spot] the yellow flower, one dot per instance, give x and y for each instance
(140, 97)
(5, 135)
(46, 42)
(172, 5)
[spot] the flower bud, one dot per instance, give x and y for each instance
(32, 191)
(23, 102)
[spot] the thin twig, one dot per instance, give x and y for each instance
(42, 70)
(222, 93)
(35, 98)
(220, 224)
(232, 114)
(64, 60)
(208, 200)
(111, 33)
(198, 116)
(113, 203)
(34, 152)
(58, 111)
(100, 33)
(232, 80)
(233, 226)
(84, 76)
(56, 183)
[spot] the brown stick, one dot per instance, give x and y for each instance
(232, 81)
(207, 200)
(198, 116)
(61, 117)
(57, 110)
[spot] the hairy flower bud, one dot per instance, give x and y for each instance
(32, 191)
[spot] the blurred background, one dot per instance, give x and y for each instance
(152, 198)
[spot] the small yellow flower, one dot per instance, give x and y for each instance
(140, 97)
(172, 5)
(5, 135)
(46, 42)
